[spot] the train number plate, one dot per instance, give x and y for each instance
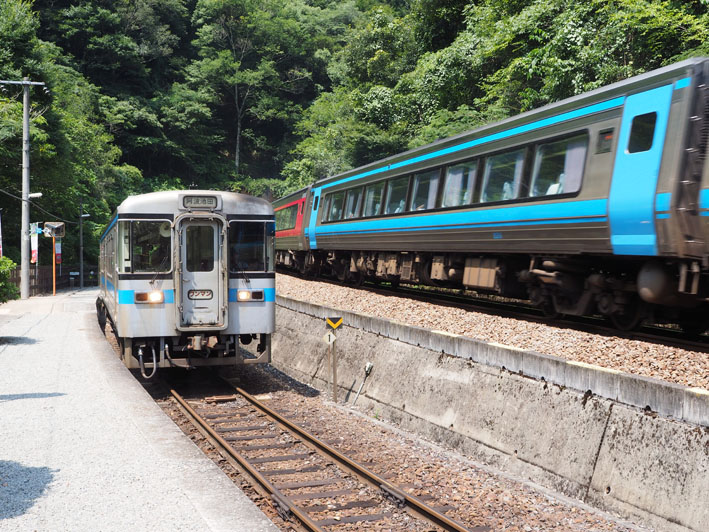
(199, 294)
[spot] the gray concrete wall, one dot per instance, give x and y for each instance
(629, 444)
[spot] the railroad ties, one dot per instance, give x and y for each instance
(305, 478)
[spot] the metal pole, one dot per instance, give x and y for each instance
(25, 233)
(54, 266)
(81, 245)
(334, 373)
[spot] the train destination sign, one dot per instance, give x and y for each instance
(334, 323)
(196, 202)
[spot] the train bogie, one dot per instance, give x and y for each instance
(187, 277)
(595, 204)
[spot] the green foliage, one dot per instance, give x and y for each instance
(8, 290)
(265, 96)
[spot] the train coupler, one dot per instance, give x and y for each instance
(198, 342)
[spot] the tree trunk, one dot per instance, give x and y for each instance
(238, 144)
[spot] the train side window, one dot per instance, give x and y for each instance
(502, 177)
(642, 132)
(353, 203)
(373, 199)
(335, 206)
(459, 184)
(396, 195)
(425, 190)
(558, 166)
(315, 203)
(286, 218)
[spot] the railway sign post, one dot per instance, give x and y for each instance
(329, 338)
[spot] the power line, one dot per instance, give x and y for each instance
(38, 207)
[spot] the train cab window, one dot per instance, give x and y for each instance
(458, 185)
(558, 166)
(249, 243)
(150, 246)
(425, 190)
(373, 199)
(642, 132)
(335, 204)
(502, 176)
(200, 248)
(353, 203)
(396, 195)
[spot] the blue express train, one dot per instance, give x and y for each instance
(188, 276)
(597, 204)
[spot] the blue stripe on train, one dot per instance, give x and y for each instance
(269, 294)
(127, 297)
(568, 212)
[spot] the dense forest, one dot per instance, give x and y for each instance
(264, 96)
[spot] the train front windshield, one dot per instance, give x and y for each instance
(251, 246)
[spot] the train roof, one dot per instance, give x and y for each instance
(608, 92)
(167, 201)
(293, 196)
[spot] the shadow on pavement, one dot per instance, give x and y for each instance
(21, 486)
(16, 340)
(15, 396)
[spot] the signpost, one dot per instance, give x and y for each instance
(54, 229)
(329, 339)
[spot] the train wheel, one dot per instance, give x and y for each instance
(630, 318)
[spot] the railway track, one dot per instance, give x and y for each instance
(307, 480)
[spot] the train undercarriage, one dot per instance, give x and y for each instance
(189, 350)
(627, 293)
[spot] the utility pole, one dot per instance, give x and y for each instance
(25, 222)
(81, 244)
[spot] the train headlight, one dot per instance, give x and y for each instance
(154, 296)
(243, 295)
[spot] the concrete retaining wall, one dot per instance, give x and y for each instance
(629, 444)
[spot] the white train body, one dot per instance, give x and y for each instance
(188, 276)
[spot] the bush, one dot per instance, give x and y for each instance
(7, 289)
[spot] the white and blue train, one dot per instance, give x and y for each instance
(598, 204)
(188, 276)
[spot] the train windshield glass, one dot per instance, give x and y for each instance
(149, 246)
(247, 246)
(200, 248)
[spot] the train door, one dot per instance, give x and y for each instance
(202, 285)
(631, 204)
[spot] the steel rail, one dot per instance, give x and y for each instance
(278, 497)
(390, 490)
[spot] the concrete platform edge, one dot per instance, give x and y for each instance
(628, 444)
(666, 399)
(205, 485)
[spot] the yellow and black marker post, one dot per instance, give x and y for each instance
(329, 338)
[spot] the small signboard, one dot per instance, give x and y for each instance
(334, 323)
(329, 338)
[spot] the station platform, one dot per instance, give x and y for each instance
(84, 447)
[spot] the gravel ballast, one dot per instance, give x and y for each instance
(671, 364)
